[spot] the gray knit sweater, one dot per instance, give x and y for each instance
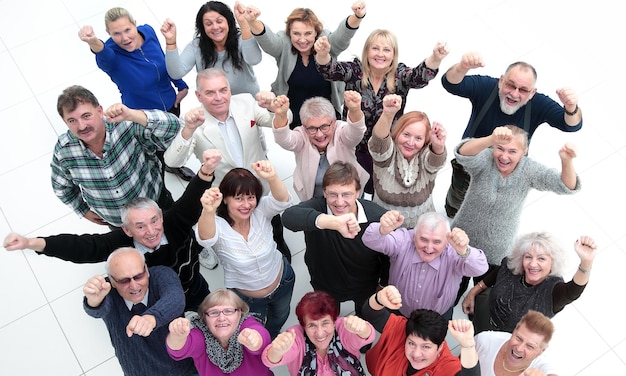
(490, 213)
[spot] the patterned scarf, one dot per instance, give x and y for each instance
(227, 360)
(341, 361)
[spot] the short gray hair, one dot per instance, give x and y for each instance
(138, 203)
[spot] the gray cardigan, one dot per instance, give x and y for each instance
(278, 45)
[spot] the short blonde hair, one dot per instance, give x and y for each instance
(115, 14)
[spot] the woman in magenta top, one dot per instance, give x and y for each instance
(223, 338)
(322, 344)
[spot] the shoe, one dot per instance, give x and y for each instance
(450, 211)
(184, 173)
(364, 349)
(208, 259)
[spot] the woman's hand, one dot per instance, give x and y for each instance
(281, 345)
(251, 14)
(358, 326)
(501, 136)
(359, 9)
(468, 303)
(211, 199)
(438, 136)
(586, 249)
(568, 152)
(352, 100)
(251, 339)
(264, 169)
(322, 50)
(87, 35)
(180, 327)
(168, 29)
(392, 104)
(390, 297)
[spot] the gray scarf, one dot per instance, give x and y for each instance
(228, 360)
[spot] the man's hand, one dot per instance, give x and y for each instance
(95, 218)
(459, 240)
(348, 225)
(194, 118)
(472, 60)
(141, 325)
(15, 242)
(390, 221)
(96, 289)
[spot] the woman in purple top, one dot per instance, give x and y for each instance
(322, 344)
(223, 338)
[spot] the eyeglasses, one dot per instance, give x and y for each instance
(126, 281)
(334, 195)
(313, 130)
(522, 90)
(225, 311)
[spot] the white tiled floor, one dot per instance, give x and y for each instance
(43, 329)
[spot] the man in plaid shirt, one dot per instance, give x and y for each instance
(107, 158)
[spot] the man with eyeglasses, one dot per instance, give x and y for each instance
(230, 124)
(165, 237)
(137, 304)
(511, 99)
(322, 140)
(338, 261)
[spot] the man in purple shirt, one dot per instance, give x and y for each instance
(428, 262)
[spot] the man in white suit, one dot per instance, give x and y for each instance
(229, 123)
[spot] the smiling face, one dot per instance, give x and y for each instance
(537, 266)
(429, 242)
(411, 139)
(240, 206)
(342, 198)
(320, 138)
(215, 27)
(516, 88)
(380, 55)
(507, 156)
(87, 124)
(222, 326)
(145, 226)
(420, 352)
(124, 33)
(320, 331)
(302, 36)
(130, 270)
(522, 348)
(214, 94)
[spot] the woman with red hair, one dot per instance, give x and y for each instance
(323, 343)
(406, 160)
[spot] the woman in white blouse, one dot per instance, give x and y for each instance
(236, 223)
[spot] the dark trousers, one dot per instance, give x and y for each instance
(458, 188)
(277, 227)
(365, 160)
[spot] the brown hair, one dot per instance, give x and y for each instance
(304, 15)
(538, 323)
(341, 173)
(410, 118)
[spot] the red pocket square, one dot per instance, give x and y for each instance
(252, 123)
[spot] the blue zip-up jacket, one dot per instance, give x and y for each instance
(140, 76)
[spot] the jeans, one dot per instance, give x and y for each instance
(274, 309)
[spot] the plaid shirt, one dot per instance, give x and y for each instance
(128, 168)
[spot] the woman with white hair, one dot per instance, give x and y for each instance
(529, 278)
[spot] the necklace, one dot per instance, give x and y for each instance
(524, 282)
(512, 370)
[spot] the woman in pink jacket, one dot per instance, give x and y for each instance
(322, 344)
(322, 140)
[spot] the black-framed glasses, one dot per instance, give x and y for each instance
(126, 281)
(225, 311)
(313, 130)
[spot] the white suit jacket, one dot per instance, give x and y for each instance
(248, 116)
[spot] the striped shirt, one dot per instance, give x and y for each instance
(127, 169)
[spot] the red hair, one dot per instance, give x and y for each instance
(315, 305)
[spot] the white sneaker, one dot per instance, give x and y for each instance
(208, 259)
